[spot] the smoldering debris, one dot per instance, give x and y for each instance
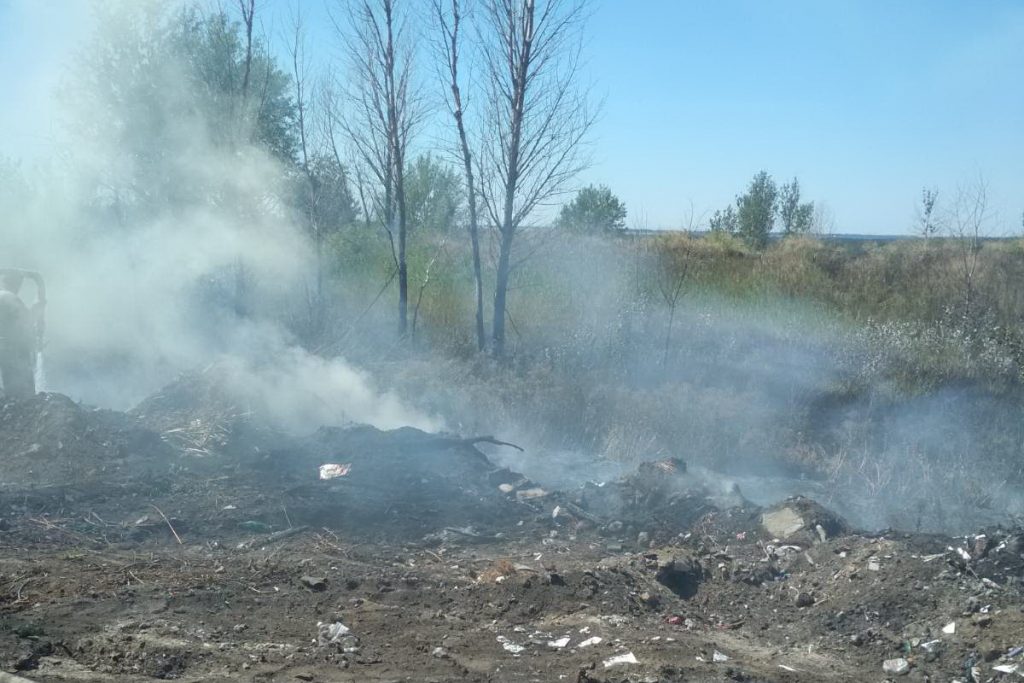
(424, 530)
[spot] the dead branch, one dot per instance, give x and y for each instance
(169, 525)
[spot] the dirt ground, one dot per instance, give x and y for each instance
(181, 541)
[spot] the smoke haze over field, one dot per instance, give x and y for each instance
(143, 287)
(170, 241)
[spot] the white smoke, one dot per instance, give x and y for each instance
(138, 297)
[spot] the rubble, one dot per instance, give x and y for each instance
(423, 536)
(618, 660)
(896, 667)
(314, 583)
(802, 520)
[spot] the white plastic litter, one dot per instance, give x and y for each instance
(336, 633)
(509, 646)
(897, 666)
(331, 633)
(627, 658)
(559, 643)
(719, 657)
(950, 628)
(333, 470)
(591, 641)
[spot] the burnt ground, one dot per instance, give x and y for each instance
(184, 541)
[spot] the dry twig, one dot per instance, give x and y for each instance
(169, 525)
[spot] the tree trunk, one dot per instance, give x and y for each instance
(474, 225)
(501, 293)
(403, 268)
(520, 68)
(248, 15)
(478, 276)
(467, 161)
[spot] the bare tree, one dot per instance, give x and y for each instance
(823, 221)
(968, 224)
(450, 24)
(248, 9)
(425, 283)
(674, 260)
(537, 119)
(311, 185)
(673, 270)
(384, 108)
(927, 220)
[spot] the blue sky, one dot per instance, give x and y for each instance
(866, 102)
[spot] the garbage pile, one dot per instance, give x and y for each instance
(189, 540)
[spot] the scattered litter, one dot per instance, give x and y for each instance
(897, 667)
(874, 565)
(784, 550)
(1014, 652)
(506, 488)
(336, 633)
(591, 641)
(719, 657)
(627, 658)
(1006, 668)
(950, 628)
(514, 648)
(314, 583)
(334, 470)
(329, 633)
(440, 653)
(559, 643)
(787, 668)
(530, 494)
(932, 650)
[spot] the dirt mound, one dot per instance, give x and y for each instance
(396, 484)
(197, 415)
(660, 497)
(49, 440)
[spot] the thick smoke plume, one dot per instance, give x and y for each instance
(168, 243)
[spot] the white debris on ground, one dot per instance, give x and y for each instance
(333, 470)
(626, 658)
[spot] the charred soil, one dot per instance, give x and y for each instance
(163, 544)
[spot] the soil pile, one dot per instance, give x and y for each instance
(50, 441)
